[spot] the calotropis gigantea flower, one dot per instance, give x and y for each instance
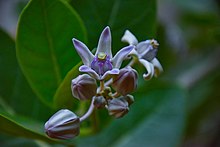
(117, 107)
(84, 87)
(102, 63)
(126, 81)
(146, 52)
(63, 125)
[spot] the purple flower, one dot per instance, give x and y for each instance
(126, 81)
(117, 107)
(146, 52)
(63, 125)
(83, 87)
(102, 64)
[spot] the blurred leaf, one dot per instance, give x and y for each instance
(155, 119)
(44, 48)
(14, 87)
(8, 64)
(9, 126)
(11, 141)
(63, 97)
(136, 15)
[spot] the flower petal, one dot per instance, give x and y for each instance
(143, 47)
(149, 67)
(121, 55)
(129, 38)
(83, 52)
(114, 71)
(157, 67)
(134, 53)
(90, 71)
(104, 44)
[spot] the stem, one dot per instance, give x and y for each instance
(102, 85)
(89, 112)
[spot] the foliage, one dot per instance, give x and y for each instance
(38, 65)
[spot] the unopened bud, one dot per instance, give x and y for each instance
(128, 98)
(84, 87)
(99, 102)
(117, 107)
(126, 81)
(63, 125)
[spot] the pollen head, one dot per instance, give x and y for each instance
(154, 43)
(102, 56)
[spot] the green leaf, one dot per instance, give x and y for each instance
(63, 97)
(9, 126)
(15, 87)
(44, 47)
(136, 15)
(8, 64)
(155, 119)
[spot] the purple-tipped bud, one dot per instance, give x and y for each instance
(128, 98)
(84, 87)
(117, 107)
(99, 102)
(63, 125)
(101, 64)
(126, 81)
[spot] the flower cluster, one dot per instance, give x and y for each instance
(104, 82)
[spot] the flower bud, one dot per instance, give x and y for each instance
(117, 107)
(99, 102)
(128, 98)
(63, 125)
(84, 87)
(126, 81)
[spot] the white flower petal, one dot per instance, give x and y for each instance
(114, 71)
(121, 55)
(149, 67)
(157, 67)
(129, 38)
(105, 41)
(143, 47)
(90, 71)
(134, 53)
(83, 52)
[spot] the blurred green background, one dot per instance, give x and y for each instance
(179, 108)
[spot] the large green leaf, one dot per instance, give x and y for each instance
(136, 15)
(8, 64)
(16, 96)
(155, 119)
(9, 126)
(44, 47)
(63, 97)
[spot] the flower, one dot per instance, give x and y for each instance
(102, 64)
(126, 81)
(117, 107)
(129, 98)
(83, 87)
(99, 102)
(146, 52)
(63, 125)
